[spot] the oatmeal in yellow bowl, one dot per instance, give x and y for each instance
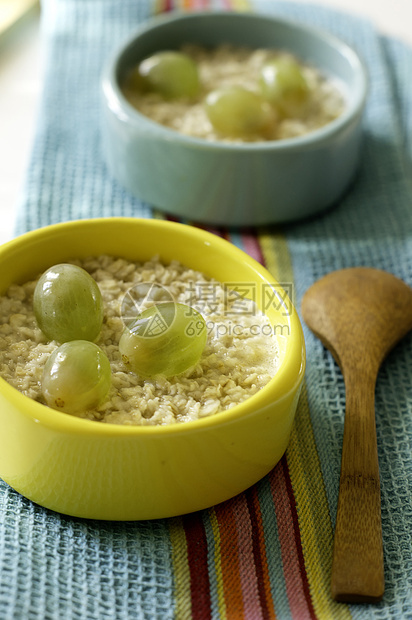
(239, 358)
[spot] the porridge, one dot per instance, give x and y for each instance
(238, 359)
(312, 100)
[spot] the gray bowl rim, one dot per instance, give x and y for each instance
(118, 104)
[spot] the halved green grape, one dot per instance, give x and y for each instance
(68, 304)
(76, 377)
(284, 85)
(169, 73)
(166, 339)
(235, 111)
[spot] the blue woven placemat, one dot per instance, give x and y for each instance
(52, 566)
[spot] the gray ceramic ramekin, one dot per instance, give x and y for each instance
(234, 184)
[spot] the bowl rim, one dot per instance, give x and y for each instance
(119, 105)
(67, 423)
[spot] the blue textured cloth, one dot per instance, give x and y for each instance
(53, 566)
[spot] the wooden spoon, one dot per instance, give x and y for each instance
(359, 314)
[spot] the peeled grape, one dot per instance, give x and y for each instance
(171, 74)
(166, 339)
(76, 377)
(68, 304)
(237, 112)
(284, 85)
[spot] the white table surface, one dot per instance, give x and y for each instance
(21, 83)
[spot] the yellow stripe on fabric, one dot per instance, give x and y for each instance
(221, 605)
(305, 470)
(158, 215)
(181, 570)
(158, 7)
(313, 513)
(240, 5)
(276, 254)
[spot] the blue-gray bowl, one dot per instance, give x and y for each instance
(224, 183)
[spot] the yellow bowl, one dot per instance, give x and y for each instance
(105, 471)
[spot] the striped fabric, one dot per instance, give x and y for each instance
(228, 560)
(267, 552)
(264, 554)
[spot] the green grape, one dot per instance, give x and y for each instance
(284, 85)
(237, 112)
(171, 74)
(166, 339)
(76, 377)
(68, 304)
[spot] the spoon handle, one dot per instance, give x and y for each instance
(357, 567)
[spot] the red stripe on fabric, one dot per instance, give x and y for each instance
(168, 5)
(252, 246)
(172, 218)
(198, 566)
(258, 551)
(219, 232)
(295, 520)
(287, 538)
(247, 566)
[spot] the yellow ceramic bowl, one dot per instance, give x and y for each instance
(104, 471)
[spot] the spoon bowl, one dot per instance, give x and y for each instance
(359, 314)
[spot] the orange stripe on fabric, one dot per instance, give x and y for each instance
(259, 547)
(229, 559)
(248, 576)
